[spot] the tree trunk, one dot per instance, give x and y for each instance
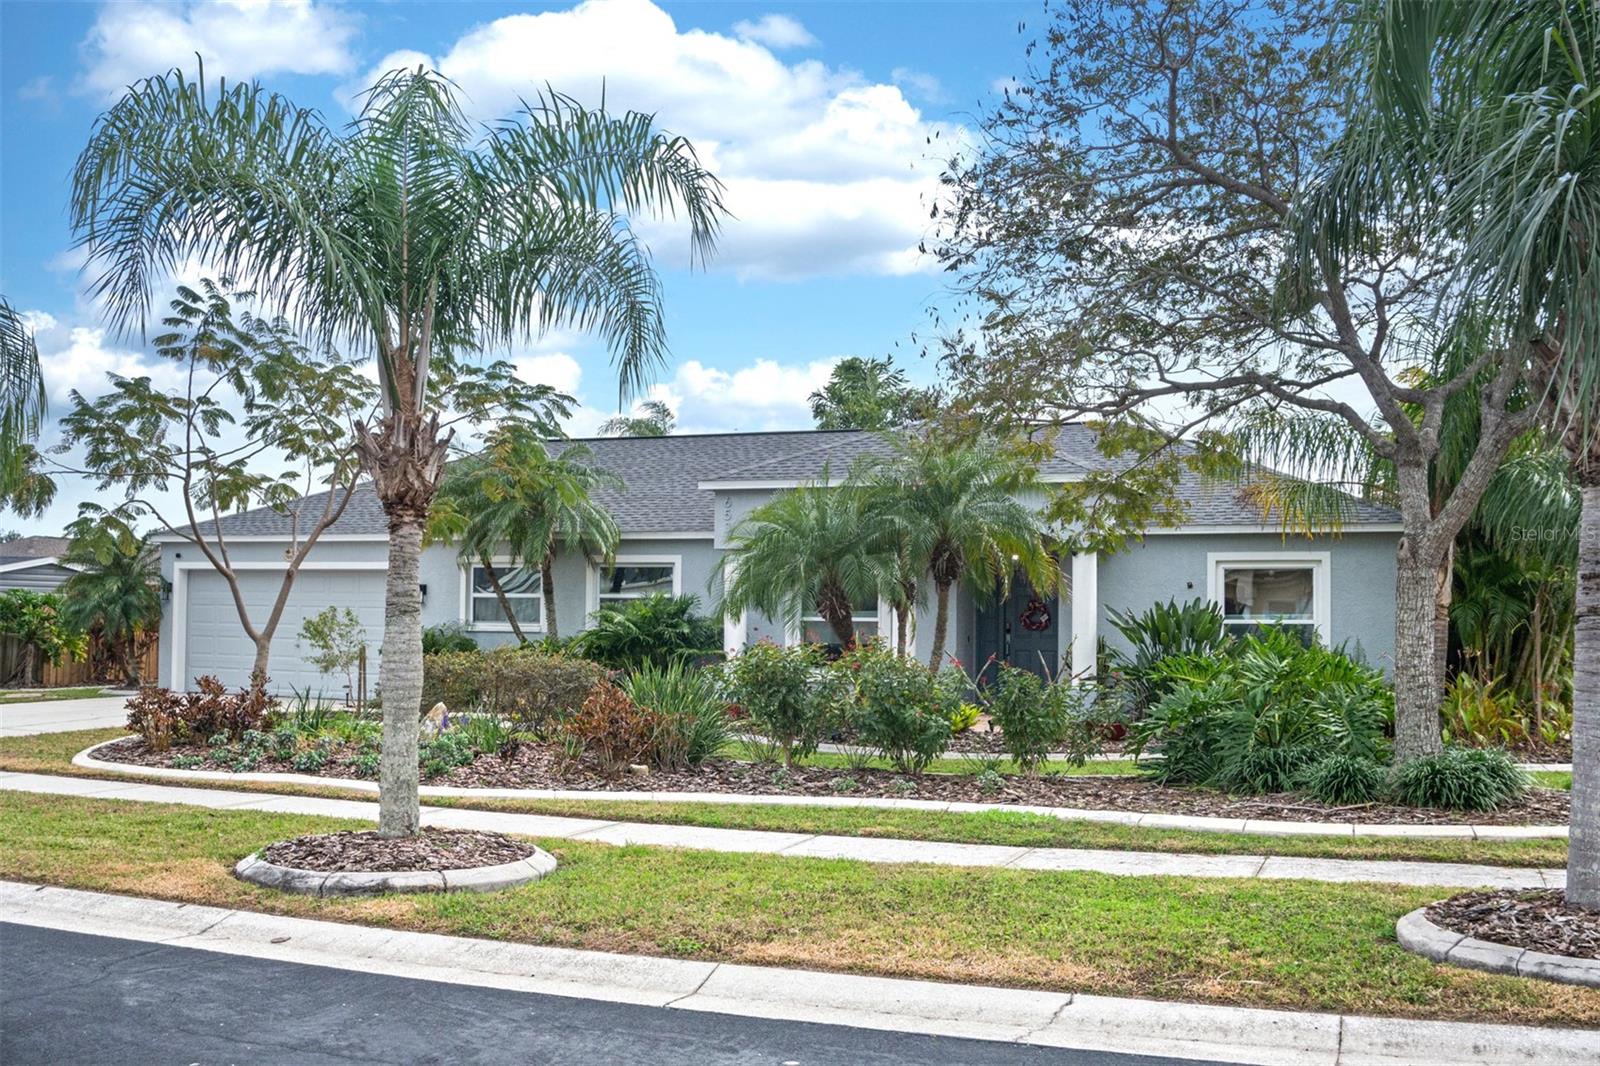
(843, 626)
(501, 597)
(1444, 586)
(547, 580)
(941, 623)
(400, 683)
(1583, 848)
(258, 668)
(30, 666)
(1416, 679)
(902, 630)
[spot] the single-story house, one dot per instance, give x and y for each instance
(683, 496)
(34, 563)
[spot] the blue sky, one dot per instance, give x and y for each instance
(816, 115)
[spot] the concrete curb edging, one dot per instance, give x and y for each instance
(1192, 823)
(1050, 1019)
(256, 870)
(1420, 935)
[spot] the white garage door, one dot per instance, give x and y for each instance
(214, 642)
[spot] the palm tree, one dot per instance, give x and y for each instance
(409, 234)
(1483, 121)
(803, 548)
(653, 418)
(22, 410)
(957, 509)
(462, 514)
(116, 589)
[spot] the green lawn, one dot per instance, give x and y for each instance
(1278, 944)
(48, 694)
(1553, 778)
(52, 753)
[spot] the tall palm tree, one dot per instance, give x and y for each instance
(653, 419)
(1483, 120)
(116, 589)
(462, 514)
(957, 508)
(804, 548)
(22, 410)
(410, 234)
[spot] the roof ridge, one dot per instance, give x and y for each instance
(786, 456)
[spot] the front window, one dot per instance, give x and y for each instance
(863, 616)
(523, 591)
(632, 581)
(1284, 593)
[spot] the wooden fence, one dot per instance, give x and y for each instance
(94, 668)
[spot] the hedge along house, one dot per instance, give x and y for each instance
(682, 498)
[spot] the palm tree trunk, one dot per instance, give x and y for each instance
(902, 626)
(547, 580)
(1416, 678)
(1583, 848)
(501, 597)
(400, 683)
(941, 623)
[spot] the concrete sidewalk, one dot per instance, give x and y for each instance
(1019, 1017)
(61, 716)
(860, 849)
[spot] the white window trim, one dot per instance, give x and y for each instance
(464, 603)
(883, 616)
(1319, 563)
(181, 568)
(593, 578)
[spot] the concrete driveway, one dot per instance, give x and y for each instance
(61, 716)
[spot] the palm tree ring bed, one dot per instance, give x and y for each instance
(365, 862)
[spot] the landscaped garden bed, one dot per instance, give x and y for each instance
(365, 850)
(1538, 920)
(534, 765)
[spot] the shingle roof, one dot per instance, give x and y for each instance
(33, 548)
(662, 478)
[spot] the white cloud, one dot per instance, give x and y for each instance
(79, 357)
(827, 172)
(1001, 86)
(236, 38)
(920, 83)
(775, 31)
(764, 395)
(557, 369)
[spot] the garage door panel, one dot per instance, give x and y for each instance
(215, 642)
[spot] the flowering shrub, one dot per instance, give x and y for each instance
(785, 692)
(1037, 717)
(902, 708)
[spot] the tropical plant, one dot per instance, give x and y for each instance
(22, 411)
(1161, 632)
(613, 729)
(1481, 714)
(115, 592)
(516, 493)
(446, 638)
(652, 418)
(184, 456)
(869, 394)
(36, 620)
(1481, 123)
(692, 715)
(1343, 780)
(1038, 716)
(804, 548)
(338, 640)
(956, 509)
(902, 709)
(419, 237)
(659, 630)
(777, 689)
(1461, 779)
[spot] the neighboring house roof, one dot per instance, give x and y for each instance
(33, 548)
(669, 481)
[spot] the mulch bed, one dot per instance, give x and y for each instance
(542, 766)
(1540, 920)
(367, 852)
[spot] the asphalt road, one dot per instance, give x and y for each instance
(72, 998)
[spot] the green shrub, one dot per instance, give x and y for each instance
(1037, 717)
(692, 712)
(1163, 631)
(445, 752)
(1341, 780)
(311, 760)
(659, 630)
(964, 717)
(1254, 719)
(447, 638)
(1459, 779)
(785, 692)
(486, 733)
(902, 709)
(526, 686)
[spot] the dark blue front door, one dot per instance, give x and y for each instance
(1019, 629)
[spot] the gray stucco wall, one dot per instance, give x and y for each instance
(1174, 566)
